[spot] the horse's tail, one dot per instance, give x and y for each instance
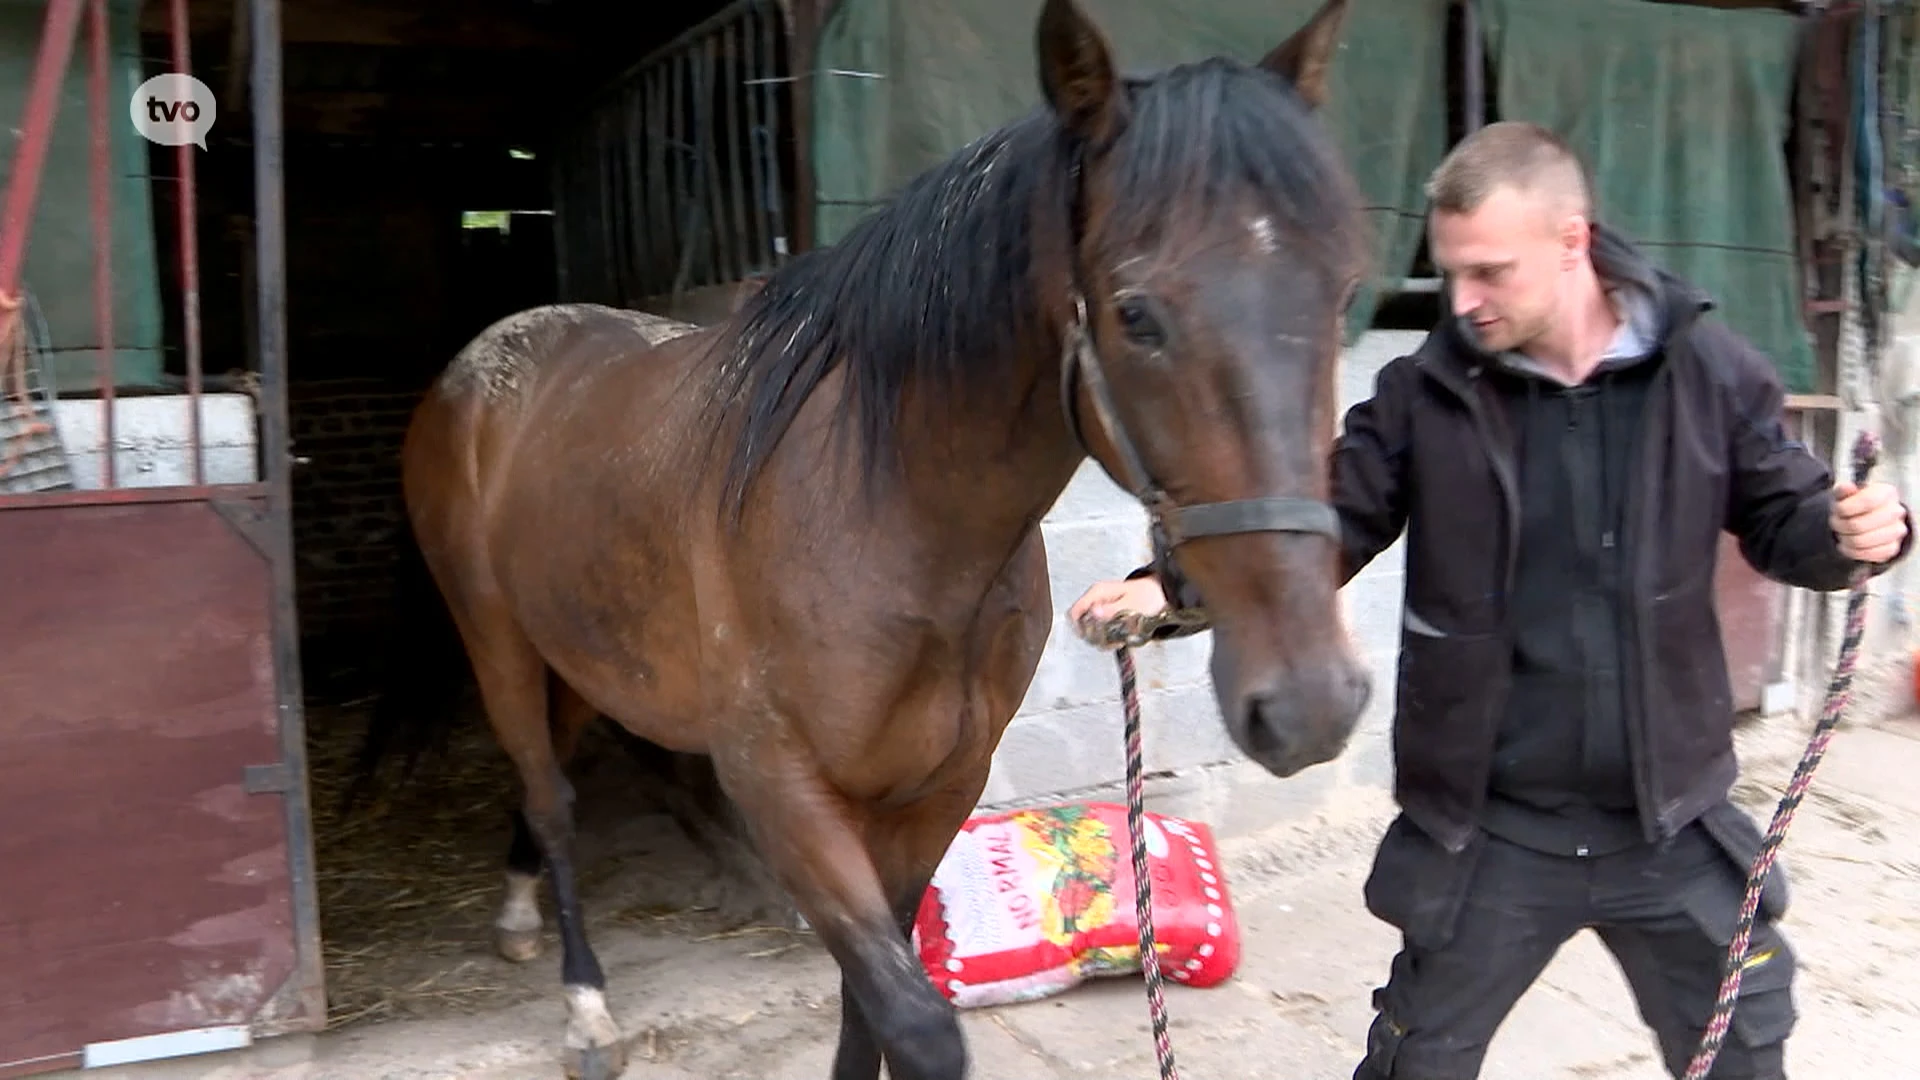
(423, 677)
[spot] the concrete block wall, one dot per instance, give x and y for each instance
(1069, 736)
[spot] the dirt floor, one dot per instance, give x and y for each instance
(705, 991)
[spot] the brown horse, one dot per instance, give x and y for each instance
(671, 527)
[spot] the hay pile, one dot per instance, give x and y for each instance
(409, 880)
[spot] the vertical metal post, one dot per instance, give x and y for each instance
(100, 179)
(1473, 91)
(269, 210)
(186, 200)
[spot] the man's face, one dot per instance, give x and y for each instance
(1504, 263)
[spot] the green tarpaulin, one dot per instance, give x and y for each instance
(900, 84)
(1683, 114)
(59, 263)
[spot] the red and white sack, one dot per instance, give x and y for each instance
(1029, 903)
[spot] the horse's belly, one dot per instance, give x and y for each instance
(650, 686)
(608, 602)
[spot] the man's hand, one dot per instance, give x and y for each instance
(1105, 599)
(1869, 521)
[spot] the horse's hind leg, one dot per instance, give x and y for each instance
(513, 686)
(516, 929)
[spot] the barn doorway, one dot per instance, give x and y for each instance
(428, 146)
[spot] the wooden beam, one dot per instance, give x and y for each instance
(1815, 402)
(436, 24)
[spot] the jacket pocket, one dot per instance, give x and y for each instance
(1449, 691)
(1417, 886)
(1764, 1013)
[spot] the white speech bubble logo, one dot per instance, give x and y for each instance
(173, 110)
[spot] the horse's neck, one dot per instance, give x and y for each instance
(987, 472)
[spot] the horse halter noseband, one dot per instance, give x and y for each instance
(1176, 523)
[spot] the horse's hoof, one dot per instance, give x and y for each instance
(518, 946)
(597, 1062)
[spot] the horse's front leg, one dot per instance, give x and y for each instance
(815, 841)
(907, 846)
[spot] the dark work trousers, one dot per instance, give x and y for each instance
(1478, 928)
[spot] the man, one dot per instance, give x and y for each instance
(1563, 454)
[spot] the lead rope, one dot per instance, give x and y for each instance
(1142, 880)
(1865, 453)
(1121, 634)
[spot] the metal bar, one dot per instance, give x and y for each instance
(677, 143)
(558, 172)
(770, 103)
(270, 217)
(186, 200)
(127, 496)
(660, 180)
(762, 237)
(100, 171)
(36, 130)
(716, 193)
(731, 44)
(636, 189)
(1473, 91)
(800, 37)
(171, 1044)
(606, 152)
(671, 50)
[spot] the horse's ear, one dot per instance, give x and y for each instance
(1077, 73)
(1304, 58)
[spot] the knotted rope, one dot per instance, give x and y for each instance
(1866, 452)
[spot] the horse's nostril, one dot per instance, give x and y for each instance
(1359, 689)
(1272, 734)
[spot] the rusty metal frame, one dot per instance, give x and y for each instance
(270, 285)
(261, 511)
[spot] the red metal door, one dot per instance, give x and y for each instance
(151, 878)
(154, 838)
(1751, 609)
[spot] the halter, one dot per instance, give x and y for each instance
(1178, 524)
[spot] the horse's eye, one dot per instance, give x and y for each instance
(1140, 325)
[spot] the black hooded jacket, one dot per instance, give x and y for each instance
(1562, 680)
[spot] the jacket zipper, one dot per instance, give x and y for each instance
(1639, 735)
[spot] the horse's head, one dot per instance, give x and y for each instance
(1216, 244)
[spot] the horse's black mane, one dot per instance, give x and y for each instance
(935, 287)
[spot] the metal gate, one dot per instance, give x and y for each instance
(677, 177)
(159, 893)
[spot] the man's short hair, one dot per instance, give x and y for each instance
(1510, 153)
